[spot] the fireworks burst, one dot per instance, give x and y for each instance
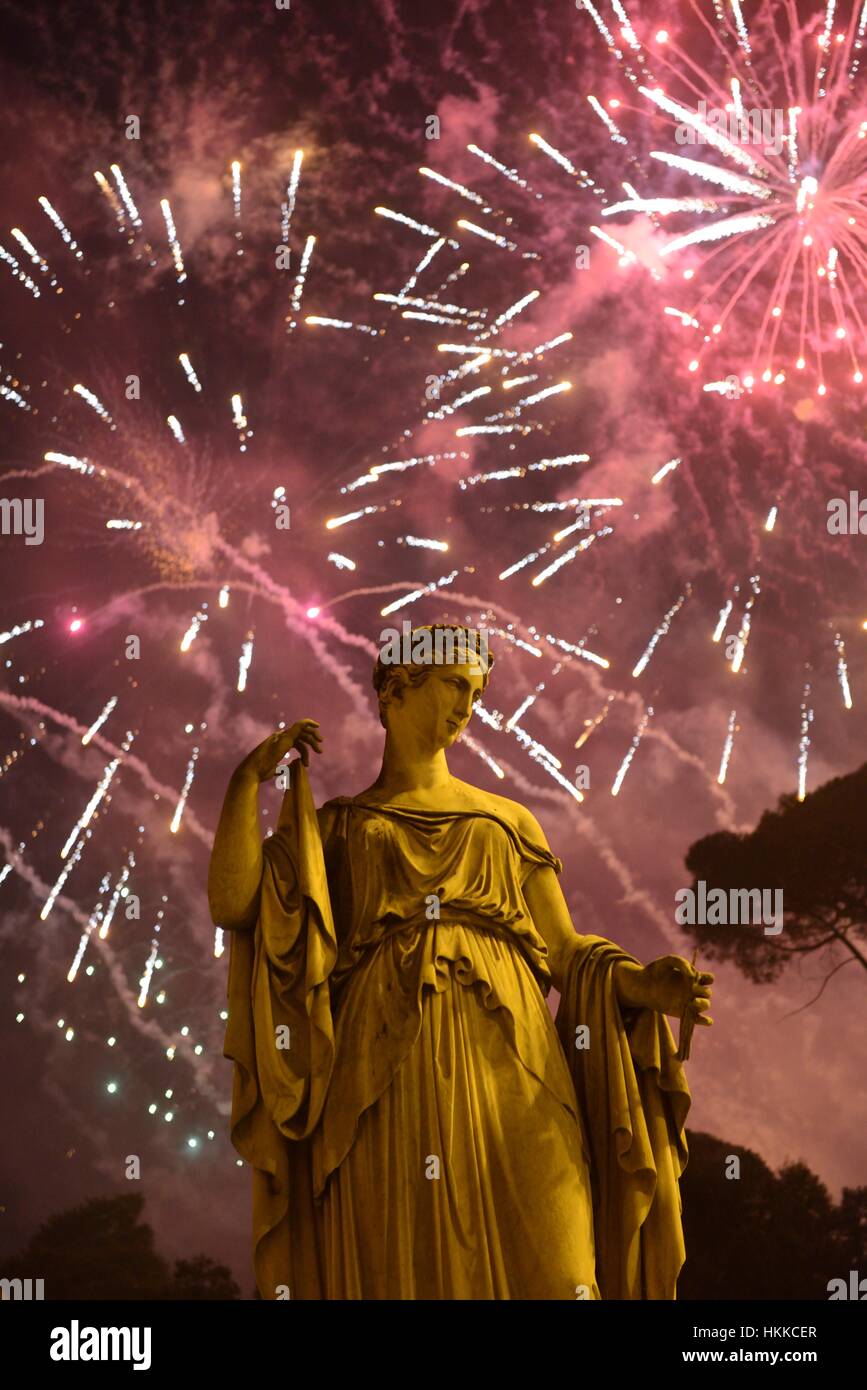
(771, 235)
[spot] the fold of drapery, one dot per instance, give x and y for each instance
(280, 1037)
(634, 1100)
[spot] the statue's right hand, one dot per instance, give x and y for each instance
(264, 760)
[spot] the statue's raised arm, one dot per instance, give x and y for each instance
(235, 872)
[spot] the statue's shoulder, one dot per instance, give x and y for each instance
(329, 813)
(503, 807)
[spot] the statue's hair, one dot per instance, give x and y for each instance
(414, 673)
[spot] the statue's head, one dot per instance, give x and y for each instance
(432, 677)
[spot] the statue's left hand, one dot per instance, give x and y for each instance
(671, 986)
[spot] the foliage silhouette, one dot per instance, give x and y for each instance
(103, 1250)
(815, 850)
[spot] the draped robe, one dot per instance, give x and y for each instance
(417, 1124)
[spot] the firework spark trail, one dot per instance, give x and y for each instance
(414, 226)
(377, 471)
(843, 671)
(319, 320)
(541, 755)
(87, 814)
(746, 626)
(21, 704)
(423, 317)
(626, 257)
(70, 461)
(559, 158)
(20, 274)
(174, 244)
(423, 264)
(727, 748)
(660, 632)
(666, 468)
(145, 981)
(34, 255)
(300, 280)
(522, 709)
(288, 207)
(414, 302)
(517, 409)
(239, 420)
(126, 196)
(236, 203)
(511, 174)
(591, 725)
(569, 555)
(147, 1027)
(111, 197)
(522, 469)
(82, 947)
(633, 747)
(458, 188)
(424, 592)
(119, 887)
(581, 651)
(54, 891)
(8, 393)
(244, 662)
(95, 920)
(188, 782)
(507, 316)
(95, 404)
(616, 134)
(193, 630)
(481, 753)
(449, 407)
(54, 216)
(21, 628)
(804, 742)
(100, 720)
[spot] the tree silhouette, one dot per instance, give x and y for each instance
(201, 1278)
(851, 1225)
(815, 850)
(763, 1235)
(103, 1250)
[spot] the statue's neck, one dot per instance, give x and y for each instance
(408, 770)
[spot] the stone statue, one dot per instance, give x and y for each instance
(418, 1125)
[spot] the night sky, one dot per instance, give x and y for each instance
(355, 87)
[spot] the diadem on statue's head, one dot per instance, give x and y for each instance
(409, 654)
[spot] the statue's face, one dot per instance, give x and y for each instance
(442, 704)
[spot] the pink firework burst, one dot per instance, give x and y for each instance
(769, 119)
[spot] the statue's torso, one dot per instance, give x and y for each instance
(426, 899)
(392, 866)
